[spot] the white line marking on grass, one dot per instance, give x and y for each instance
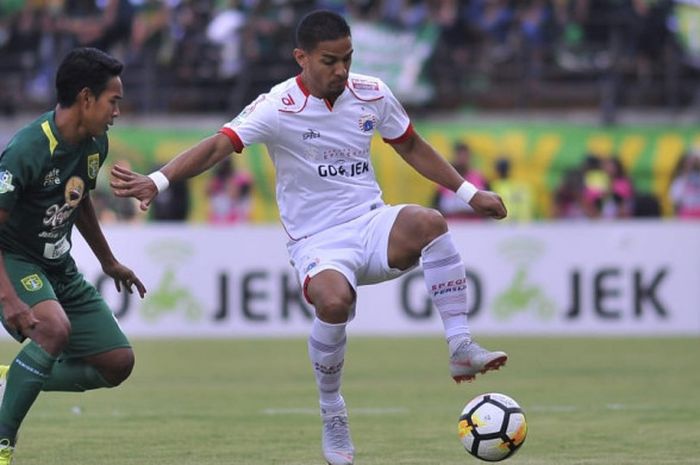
(553, 408)
(354, 411)
(573, 408)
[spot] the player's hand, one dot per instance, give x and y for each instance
(124, 277)
(127, 183)
(18, 316)
(487, 203)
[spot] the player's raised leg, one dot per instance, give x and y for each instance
(333, 299)
(423, 232)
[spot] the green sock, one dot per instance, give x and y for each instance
(74, 375)
(27, 374)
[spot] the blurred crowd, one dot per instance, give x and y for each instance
(598, 188)
(215, 55)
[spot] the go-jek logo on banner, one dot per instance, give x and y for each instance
(522, 295)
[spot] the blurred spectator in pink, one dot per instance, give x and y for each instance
(685, 186)
(229, 192)
(596, 185)
(568, 198)
(618, 201)
(451, 206)
(608, 191)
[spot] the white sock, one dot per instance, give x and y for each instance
(446, 282)
(327, 344)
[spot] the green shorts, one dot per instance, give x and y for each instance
(94, 329)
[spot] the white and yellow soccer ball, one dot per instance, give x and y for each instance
(492, 427)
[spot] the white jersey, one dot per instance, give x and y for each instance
(321, 153)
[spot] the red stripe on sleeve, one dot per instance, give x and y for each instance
(403, 137)
(233, 137)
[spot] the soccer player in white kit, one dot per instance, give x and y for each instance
(318, 127)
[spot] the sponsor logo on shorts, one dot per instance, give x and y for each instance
(6, 182)
(311, 265)
(32, 282)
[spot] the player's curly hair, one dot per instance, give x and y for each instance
(319, 26)
(84, 67)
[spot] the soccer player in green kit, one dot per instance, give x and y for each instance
(46, 173)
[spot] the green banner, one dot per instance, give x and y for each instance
(539, 154)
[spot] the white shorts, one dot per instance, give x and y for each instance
(357, 249)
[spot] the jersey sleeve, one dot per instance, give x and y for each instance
(395, 125)
(16, 174)
(257, 123)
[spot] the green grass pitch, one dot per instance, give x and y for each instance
(617, 401)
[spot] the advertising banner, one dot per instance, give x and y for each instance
(621, 278)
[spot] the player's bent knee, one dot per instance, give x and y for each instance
(335, 308)
(117, 367)
(435, 222)
(427, 224)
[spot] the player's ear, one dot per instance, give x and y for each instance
(85, 96)
(301, 57)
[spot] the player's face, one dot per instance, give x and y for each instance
(102, 111)
(326, 68)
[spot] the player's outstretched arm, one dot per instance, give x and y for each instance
(425, 159)
(127, 183)
(190, 163)
(91, 231)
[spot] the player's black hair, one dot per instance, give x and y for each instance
(81, 68)
(319, 26)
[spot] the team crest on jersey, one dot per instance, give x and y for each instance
(6, 182)
(75, 187)
(368, 122)
(52, 177)
(93, 165)
(32, 282)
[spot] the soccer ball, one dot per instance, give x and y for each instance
(492, 427)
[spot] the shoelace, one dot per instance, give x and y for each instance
(337, 429)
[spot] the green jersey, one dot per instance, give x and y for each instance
(42, 181)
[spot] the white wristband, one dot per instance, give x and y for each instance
(466, 191)
(160, 180)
